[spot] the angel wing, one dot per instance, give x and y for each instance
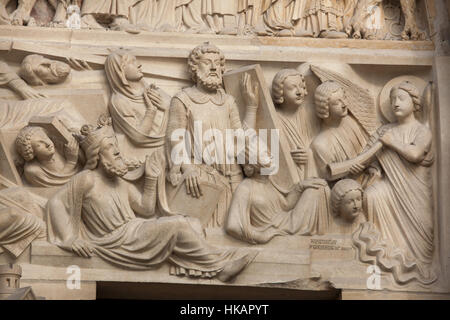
(360, 102)
(428, 104)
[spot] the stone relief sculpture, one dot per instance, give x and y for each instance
(260, 210)
(140, 113)
(44, 166)
(341, 138)
(12, 80)
(346, 204)
(120, 224)
(400, 202)
(325, 18)
(280, 16)
(137, 206)
(207, 106)
(37, 70)
(113, 13)
(22, 14)
(21, 221)
(248, 12)
(221, 16)
(283, 18)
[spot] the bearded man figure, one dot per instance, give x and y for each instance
(100, 213)
(206, 108)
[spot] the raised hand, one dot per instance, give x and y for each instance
(71, 150)
(153, 94)
(250, 91)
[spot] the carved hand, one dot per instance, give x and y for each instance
(250, 91)
(156, 99)
(175, 175)
(28, 92)
(387, 138)
(82, 248)
(191, 175)
(356, 169)
(300, 156)
(312, 183)
(71, 150)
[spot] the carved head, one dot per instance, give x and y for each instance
(289, 87)
(121, 68)
(207, 65)
(346, 199)
(101, 148)
(329, 100)
(405, 99)
(37, 70)
(33, 142)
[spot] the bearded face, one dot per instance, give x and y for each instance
(110, 158)
(37, 70)
(52, 72)
(209, 71)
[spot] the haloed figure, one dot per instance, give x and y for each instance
(44, 166)
(401, 202)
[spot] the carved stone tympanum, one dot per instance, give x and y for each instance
(230, 143)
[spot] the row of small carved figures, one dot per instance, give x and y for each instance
(281, 18)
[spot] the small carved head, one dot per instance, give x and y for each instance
(329, 100)
(289, 86)
(37, 70)
(33, 142)
(207, 65)
(405, 99)
(346, 199)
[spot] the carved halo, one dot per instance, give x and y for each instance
(384, 100)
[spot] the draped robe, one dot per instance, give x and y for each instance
(338, 144)
(259, 209)
(127, 109)
(108, 8)
(221, 113)
(39, 176)
(108, 222)
(400, 208)
(321, 15)
(20, 220)
(281, 14)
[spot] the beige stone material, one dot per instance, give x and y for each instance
(142, 158)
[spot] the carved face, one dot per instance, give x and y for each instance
(43, 147)
(402, 103)
(293, 91)
(351, 205)
(132, 69)
(336, 105)
(52, 72)
(111, 159)
(209, 71)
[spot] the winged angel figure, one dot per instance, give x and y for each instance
(343, 137)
